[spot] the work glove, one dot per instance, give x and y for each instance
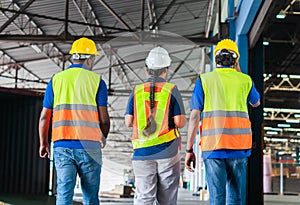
(102, 141)
(190, 161)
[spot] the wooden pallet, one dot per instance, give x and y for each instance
(114, 195)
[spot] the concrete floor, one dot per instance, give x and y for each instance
(185, 197)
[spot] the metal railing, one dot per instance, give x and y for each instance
(282, 178)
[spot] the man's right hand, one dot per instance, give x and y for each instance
(103, 141)
(237, 67)
(189, 158)
(44, 151)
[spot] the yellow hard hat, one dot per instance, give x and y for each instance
(229, 45)
(84, 46)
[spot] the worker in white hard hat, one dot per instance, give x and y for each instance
(155, 112)
(76, 99)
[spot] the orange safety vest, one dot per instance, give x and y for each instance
(75, 115)
(142, 111)
(225, 122)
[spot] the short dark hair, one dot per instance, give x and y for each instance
(226, 57)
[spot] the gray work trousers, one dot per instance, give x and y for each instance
(156, 181)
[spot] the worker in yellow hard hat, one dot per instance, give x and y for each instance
(221, 96)
(83, 52)
(77, 101)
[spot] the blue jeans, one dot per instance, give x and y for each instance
(226, 179)
(87, 163)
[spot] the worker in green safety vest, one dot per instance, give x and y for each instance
(155, 112)
(221, 96)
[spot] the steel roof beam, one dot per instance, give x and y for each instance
(180, 64)
(16, 15)
(101, 39)
(127, 64)
(29, 60)
(261, 21)
(22, 79)
(22, 66)
(62, 20)
(66, 18)
(292, 57)
(142, 14)
(117, 17)
(151, 10)
(154, 24)
(85, 16)
(209, 17)
(33, 28)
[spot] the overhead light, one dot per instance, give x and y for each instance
(295, 76)
(266, 43)
(271, 133)
(281, 15)
(292, 121)
(273, 129)
(276, 139)
(268, 128)
(294, 141)
(292, 129)
(284, 125)
(297, 115)
(298, 134)
(268, 109)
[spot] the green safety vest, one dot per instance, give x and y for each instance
(75, 115)
(225, 122)
(161, 115)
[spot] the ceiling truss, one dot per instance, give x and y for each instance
(281, 114)
(285, 84)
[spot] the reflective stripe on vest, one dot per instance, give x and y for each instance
(75, 115)
(162, 98)
(225, 122)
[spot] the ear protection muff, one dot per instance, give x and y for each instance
(225, 57)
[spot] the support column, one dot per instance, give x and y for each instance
(297, 156)
(255, 168)
(242, 42)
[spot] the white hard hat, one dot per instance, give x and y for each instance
(158, 58)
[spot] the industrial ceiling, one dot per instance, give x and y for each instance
(281, 36)
(36, 35)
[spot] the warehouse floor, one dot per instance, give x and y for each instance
(184, 197)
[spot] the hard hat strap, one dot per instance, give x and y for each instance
(78, 56)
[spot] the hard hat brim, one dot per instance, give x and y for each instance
(96, 53)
